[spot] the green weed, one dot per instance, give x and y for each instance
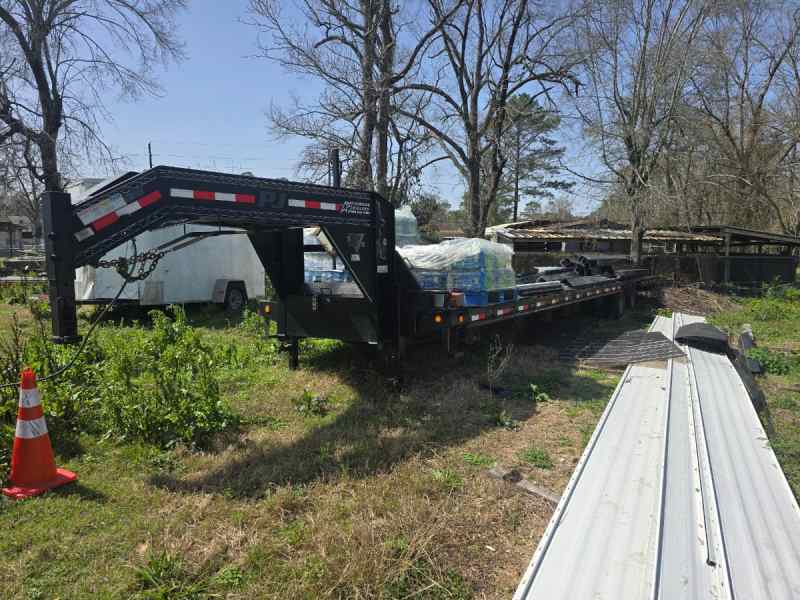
(448, 479)
(230, 577)
(164, 577)
(478, 460)
(777, 363)
(538, 457)
(178, 400)
(310, 404)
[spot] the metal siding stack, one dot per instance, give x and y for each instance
(677, 495)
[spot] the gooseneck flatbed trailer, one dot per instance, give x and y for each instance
(382, 306)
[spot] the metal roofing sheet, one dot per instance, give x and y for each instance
(601, 540)
(677, 495)
(653, 235)
(759, 515)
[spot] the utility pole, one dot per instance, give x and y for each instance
(516, 176)
(150, 154)
(335, 168)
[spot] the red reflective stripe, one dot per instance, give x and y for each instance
(105, 221)
(200, 195)
(338, 208)
(149, 199)
(312, 204)
(246, 198)
(29, 414)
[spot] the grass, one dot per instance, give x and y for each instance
(538, 457)
(775, 319)
(336, 485)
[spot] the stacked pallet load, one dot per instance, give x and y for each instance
(322, 266)
(479, 268)
(406, 231)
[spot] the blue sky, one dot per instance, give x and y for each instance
(211, 114)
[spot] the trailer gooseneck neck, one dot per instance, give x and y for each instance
(358, 224)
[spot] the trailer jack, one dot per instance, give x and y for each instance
(292, 347)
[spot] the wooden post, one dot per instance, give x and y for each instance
(727, 266)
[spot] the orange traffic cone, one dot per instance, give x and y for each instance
(33, 470)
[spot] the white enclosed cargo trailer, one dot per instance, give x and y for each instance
(222, 269)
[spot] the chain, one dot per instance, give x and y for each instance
(126, 266)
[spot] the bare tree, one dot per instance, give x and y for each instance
(485, 52)
(19, 185)
(747, 89)
(64, 57)
(638, 59)
(356, 50)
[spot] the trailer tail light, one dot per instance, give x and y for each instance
(460, 318)
(438, 318)
(267, 309)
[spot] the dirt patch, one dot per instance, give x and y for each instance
(695, 301)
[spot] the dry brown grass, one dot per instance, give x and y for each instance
(376, 499)
(695, 301)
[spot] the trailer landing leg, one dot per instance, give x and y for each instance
(292, 346)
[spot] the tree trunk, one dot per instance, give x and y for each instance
(384, 103)
(367, 97)
(637, 233)
(52, 178)
(475, 204)
(516, 175)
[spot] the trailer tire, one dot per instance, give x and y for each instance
(235, 298)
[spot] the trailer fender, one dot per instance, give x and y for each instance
(230, 292)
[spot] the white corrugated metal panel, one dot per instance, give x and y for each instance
(602, 538)
(677, 496)
(759, 515)
(691, 561)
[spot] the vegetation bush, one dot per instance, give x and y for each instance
(159, 386)
(777, 363)
(167, 390)
(774, 316)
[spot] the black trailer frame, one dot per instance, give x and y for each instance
(360, 226)
(389, 309)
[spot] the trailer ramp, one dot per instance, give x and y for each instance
(677, 495)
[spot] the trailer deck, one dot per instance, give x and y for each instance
(383, 305)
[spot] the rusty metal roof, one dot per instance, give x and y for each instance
(551, 233)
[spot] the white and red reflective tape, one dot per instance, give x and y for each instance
(478, 317)
(29, 398)
(523, 307)
(29, 429)
(102, 209)
(213, 196)
(314, 204)
(109, 210)
(504, 311)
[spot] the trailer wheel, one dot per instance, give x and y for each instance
(235, 299)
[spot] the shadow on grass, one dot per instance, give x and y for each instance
(78, 490)
(443, 405)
